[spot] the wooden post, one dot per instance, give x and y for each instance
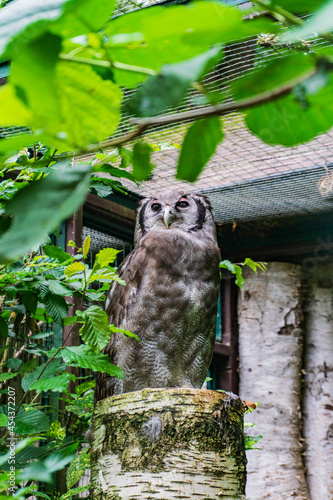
(168, 444)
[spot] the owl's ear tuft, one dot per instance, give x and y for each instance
(204, 200)
(140, 229)
(141, 213)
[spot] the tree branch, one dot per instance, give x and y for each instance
(220, 110)
(108, 64)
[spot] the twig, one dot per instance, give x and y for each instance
(220, 110)
(108, 64)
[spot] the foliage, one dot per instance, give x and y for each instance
(237, 269)
(70, 53)
(33, 291)
(70, 64)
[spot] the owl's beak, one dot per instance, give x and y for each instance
(167, 216)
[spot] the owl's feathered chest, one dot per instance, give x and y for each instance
(181, 253)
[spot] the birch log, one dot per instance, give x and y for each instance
(168, 444)
(318, 388)
(270, 353)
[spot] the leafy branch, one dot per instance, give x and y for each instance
(207, 112)
(237, 269)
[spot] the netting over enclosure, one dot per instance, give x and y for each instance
(246, 179)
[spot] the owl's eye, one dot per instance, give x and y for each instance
(156, 207)
(182, 203)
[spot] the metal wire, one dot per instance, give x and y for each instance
(245, 178)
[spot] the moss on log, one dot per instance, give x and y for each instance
(168, 444)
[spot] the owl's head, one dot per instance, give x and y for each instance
(175, 210)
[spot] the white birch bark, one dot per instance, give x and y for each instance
(318, 387)
(270, 352)
(168, 444)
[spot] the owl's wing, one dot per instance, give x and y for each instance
(118, 304)
(121, 298)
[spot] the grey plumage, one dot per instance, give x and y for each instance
(170, 298)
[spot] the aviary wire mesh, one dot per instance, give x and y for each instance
(246, 179)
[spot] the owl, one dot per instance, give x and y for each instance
(170, 298)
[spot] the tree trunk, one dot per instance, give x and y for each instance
(168, 444)
(270, 351)
(318, 384)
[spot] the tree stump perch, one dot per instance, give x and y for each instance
(168, 444)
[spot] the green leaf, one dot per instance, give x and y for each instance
(106, 275)
(75, 267)
(9, 146)
(24, 21)
(84, 357)
(199, 145)
(74, 491)
(13, 110)
(127, 333)
(59, 289)
(31, 422)
(21, 445)
(114, 171)
(126, 157)
(83, 405)
(298, 6)
(105, 257)
(30, 301)
(168, 88)
(254, 265)
(234, 269)
(56, 307)
(56, 253)
(96, 330)
(272, 75)
(290, 121)
(50, 200)
(29, 366)
(70, 320)
(3, 420)
(55, 366)
(80, 389)
(250, 441)
(7, 376)
(82, 16)
(166, 35)
(42, 471)
(54, 384)
(35, 63)
(318, 24)
(142, 166)
(101, 189)
(32, 489)
(3, 328)
(86, 246)
(100, 115)
(239, 276)
(35, 472)
(14, 363)
(77, 468)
